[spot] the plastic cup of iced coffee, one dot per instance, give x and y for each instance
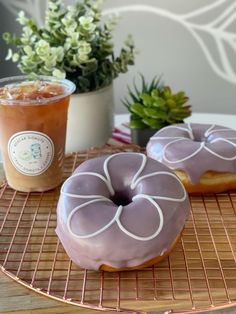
(33, 118)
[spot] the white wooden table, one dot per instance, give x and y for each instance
(211, 118)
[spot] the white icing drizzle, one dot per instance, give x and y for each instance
(167, 137)
(144, 160)
(210, 130)
(116, 219)
(98, 231)
(188, 130)
(147, 238)
(202, 145)
(107, 181)
(99, 198)
(219, 156)
(183, 159)
(225, 140)
(181, 199)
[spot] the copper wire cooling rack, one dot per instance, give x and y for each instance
(199, 274)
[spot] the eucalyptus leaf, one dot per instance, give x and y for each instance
(89, 67)
(84, 83)
(88, 57)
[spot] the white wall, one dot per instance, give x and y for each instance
(192, 44)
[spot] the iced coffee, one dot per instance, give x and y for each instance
(33, 117)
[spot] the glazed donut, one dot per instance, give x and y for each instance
(202, 155)
(121, 211)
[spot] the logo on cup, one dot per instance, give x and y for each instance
(30, 152)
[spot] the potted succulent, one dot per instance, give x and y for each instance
(74, 44)
(153, 107)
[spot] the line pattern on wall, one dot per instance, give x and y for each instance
(217, 29)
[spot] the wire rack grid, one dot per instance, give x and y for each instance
(199, 274)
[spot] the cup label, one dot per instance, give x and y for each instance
(30, 152)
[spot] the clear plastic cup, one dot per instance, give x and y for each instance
(33, 118)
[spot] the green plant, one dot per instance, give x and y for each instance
(71, 44)
(155, 106)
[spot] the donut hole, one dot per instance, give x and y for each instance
(121, 198)
(198, 137)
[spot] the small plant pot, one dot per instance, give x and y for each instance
(142, 136)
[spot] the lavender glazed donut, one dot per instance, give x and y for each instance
(202, 155)
(119, 212)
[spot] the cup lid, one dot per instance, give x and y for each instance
(14, 81)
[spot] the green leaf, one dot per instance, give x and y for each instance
(179, 110)
(171, 103)
(89, 67)
(6, 37)
(159, 102)
(144, 85)
(155, 114)
(125, 102)
(134, 97)
(153, 123)
(138, 109)
(84, 84)
(137, 124)
(155, 93)
(147, 99)
(167, 92)
(134, 116)
(136, 89)
(180, 95)
(155, 84)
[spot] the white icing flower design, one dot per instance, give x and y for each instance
(200, 146)
(116, 219)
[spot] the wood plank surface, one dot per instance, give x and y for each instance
(15, 298)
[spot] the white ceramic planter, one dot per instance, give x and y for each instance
(90, 119)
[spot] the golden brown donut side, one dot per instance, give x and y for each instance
(210, 182)
(148, 263)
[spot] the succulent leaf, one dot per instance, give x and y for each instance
(155, 114)
(159, 102)
(138, 109)
(155, 93)
(137, 124)
(171, 103)
(147, 99)
(152, 123)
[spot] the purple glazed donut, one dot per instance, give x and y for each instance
(119, 212)
(202, 155)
